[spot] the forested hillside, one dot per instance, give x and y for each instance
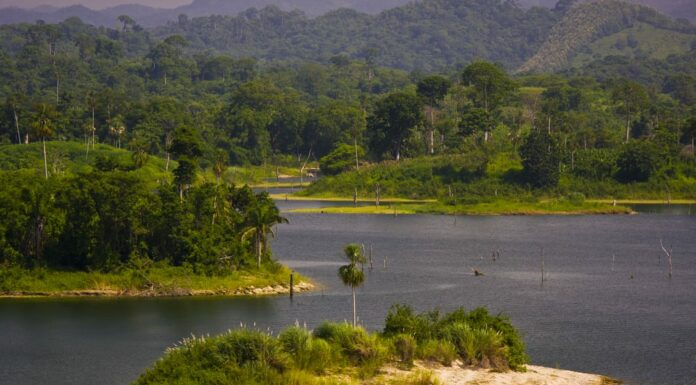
(591, 21)
(425, 35)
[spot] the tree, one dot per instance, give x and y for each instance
(474, 120)
(126, 21)
(261, 218)
(632, 98)
(43, 128)
(540, 159)
(637, 162)
(341, 159)
(117, 128)
(186, 148)
(432, 90)
(489, 84)
(352, 275)
(394, 117)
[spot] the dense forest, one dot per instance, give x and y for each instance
(613, 127)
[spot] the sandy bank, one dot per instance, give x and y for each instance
(535, 375)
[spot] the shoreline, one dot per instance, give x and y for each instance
(480, 209)
(534, 374)
(252, 291)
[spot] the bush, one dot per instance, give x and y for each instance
(354, 343)
(440, 351)
(405, 348)
(402, 320)
(308, 353)
(477, 337)
(341, 159)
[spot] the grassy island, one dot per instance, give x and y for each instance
(338, 353)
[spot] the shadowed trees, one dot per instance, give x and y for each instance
(394, 117)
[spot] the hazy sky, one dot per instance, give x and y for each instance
(94, 4)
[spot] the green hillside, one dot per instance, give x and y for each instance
(640, 40)
(73, 157)
(587, 32)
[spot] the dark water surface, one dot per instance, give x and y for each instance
(586, 317)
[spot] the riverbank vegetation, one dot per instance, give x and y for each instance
(114, 222)
(143, 281)
(339, 353)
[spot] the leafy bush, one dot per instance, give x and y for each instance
(341, 159)
(298, 357)
(595, 164)
(440, 351)
(478, 337)
(405, 348)
(358, 346)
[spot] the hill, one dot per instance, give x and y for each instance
(601, 28)
(72, 157)
(152, 17)
(426, 35)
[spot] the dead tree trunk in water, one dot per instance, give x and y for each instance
(542, 266)
(669, 256)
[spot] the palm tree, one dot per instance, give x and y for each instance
(117, 128)
(351, 275)
(261, 218)
(43, 128)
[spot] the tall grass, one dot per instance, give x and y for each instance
(338, 353)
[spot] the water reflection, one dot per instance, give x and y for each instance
(590, 315)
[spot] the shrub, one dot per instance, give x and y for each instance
(440, 351)
(405, 348)
(354, 343)
(308, 353)
(402, 320)
(341, 159)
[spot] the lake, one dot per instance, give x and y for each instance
(625, 318)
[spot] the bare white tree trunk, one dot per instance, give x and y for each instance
(355, 314)
(669, 257)
(43, 140)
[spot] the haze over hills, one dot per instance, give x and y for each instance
(148, 16)
(428, 35)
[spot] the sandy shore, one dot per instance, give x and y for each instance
(535, 375)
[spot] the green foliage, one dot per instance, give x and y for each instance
(478, 337)
(391, 124)
(101, 220)
(440, 351)
(540, 159)
(298, 356)
(637, 162)
(595, 164)
(490, 84)
(342, 158)
(405, 348)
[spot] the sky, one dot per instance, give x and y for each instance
(94, 4)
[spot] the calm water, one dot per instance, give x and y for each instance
(586, 317)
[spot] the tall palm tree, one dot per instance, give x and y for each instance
(43, 128)
(351, 274)
(261, 218)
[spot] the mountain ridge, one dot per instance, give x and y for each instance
(152, 17)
